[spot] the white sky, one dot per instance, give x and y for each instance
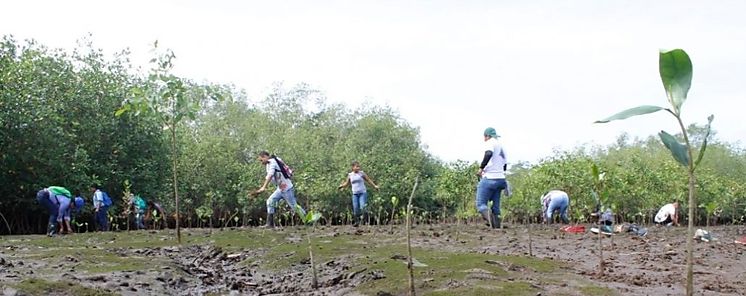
(540, 72)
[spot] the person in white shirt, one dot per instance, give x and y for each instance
(492, 178)
(277, 174)
(356, 179)
(668, 215)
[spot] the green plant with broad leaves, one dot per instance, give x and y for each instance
(675, 69)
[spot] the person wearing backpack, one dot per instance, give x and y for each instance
(101, 204)
(356, 179)
(140, 206)
(279, 174)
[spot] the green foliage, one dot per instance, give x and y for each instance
(675, 69)
(702, 149)
(678, 150)
(59, 127)
(640, 110)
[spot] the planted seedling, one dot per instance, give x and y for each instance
(675, 69)
(310, 218)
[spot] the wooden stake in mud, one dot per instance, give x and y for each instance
(600, 253)
(410, 265)
(530, 240)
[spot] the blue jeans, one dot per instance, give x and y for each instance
(359, 202)
(288, 196)
(139, 215)
(102, 218)
(558, 203)
(489, 190)
(52, 208)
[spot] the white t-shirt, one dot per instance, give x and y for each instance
(494, 168)
(275, 175)
(357, 182)
(665, 212)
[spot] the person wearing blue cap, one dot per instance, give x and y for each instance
(492, 178)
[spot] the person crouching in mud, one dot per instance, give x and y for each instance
(668, 215)
(277, 175)
(555, 200)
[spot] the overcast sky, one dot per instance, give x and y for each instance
(540, 72)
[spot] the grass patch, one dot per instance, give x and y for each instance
(443, 268)
(43, 288)
(536, 264)
(596, 290)
(506, 288)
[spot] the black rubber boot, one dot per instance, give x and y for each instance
(270, 221)
(496, 222)
(486, 217)
(355, 221)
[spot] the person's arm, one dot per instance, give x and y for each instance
(345, 183)
(675, 217)
(485, 161)
(270, 169)
(544, 206)
(366, 178)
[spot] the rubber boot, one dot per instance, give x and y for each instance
(51, 229)
(496, 222)
(486, 217)
(270, 221)
(355, 221)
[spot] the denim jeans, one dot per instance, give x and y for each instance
(52, 208)
(558, 203)
(288, 196)
(359, 202)
(102, 218)
(489, 190)
(139, 215)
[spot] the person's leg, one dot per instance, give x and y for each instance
(105, 217)
(355, 206)
(272, 201)
(496, 189)
(363, 203)
(289, 196)
(482, 198)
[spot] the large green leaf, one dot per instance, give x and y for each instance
(704, 141)
(676, 73)
(639, 110)
(678, 150)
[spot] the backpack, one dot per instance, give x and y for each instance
(107, 199)
(286, 170)
(140, 202)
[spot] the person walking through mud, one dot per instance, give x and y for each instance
(492, 178)
(555, 200)
(278, 174)
(357, 178)
(668, 215)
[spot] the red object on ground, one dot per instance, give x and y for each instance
(573, 229)
(741, 240)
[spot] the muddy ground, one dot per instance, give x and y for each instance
(370, 260)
